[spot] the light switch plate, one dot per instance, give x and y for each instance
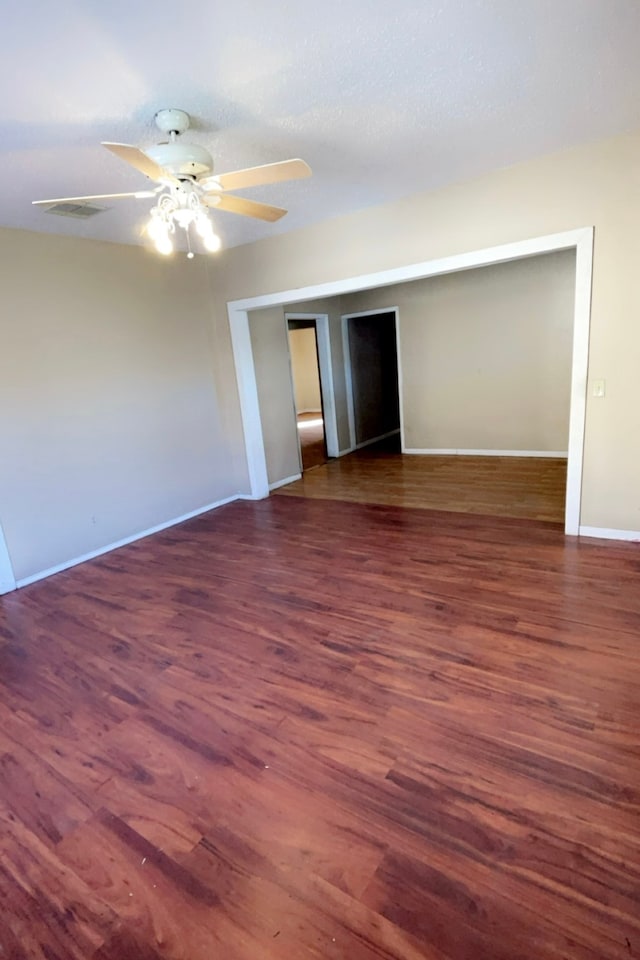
(598, 388)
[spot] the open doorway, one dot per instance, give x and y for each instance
(481, 424)
(371, 372)
(485, 362)
(579, 240)
(307, 391)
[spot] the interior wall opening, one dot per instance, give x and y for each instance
(354, 293)
(370, 347)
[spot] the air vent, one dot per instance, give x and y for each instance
(79, 210)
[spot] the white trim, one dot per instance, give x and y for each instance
(249, 405)
(400, 382)
(369, 313)
(283, 483)
(25, 581)
(416, 271)
(323, 341)
(605, 533)
(581, 239)
(292, 393)
(443, 451)
(309, 410)
(579, 373)
(348, 383)
(7, 577)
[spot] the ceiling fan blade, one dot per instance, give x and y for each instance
(138, 194)
(260, 176)
(247, 208)
(136, 158)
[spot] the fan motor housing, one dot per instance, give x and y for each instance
(182, 159)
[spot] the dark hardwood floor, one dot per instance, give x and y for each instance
(315, 729)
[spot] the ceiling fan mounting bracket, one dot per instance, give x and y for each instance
(172, 121)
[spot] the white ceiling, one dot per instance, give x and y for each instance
(382, 98)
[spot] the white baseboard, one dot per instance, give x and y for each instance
(446, 452)
(283, 483)
(605, 533)
(25, 581)
(299, 413)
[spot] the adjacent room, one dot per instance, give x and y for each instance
(470, 413)
(319, 481)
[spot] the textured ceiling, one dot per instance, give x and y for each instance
(381, 98)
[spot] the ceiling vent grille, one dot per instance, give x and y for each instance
(80, 210)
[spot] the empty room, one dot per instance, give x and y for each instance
(457, 398)
(370, 691)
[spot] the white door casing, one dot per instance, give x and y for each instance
(323, 340)
(7, 578)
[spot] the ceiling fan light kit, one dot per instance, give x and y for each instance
(187, 188)
(180, 206)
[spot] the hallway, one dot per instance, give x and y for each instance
(313, 451)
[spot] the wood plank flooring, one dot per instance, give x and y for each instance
(528, 487)
(313, 729)
(313, 450)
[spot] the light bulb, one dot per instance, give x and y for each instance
(155, 227)
(183, 217)
(203, 225)
(212, 242)
(163, 244)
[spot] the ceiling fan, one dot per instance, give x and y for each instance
(187, 187)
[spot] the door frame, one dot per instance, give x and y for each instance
(325, 369)
(580, 239)
(7, 577)
(348, 376)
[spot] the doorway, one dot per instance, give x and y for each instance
(580, 239)
(307, 391)
(370, 347)
(328, 441)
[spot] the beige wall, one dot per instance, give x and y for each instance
(592, 185)
(118, 402)
(268, 331)
(109, 418)
(304, 369)
(485, 354)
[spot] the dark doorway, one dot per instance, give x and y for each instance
(373, 364)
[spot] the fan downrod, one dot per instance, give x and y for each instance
(172, 121)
